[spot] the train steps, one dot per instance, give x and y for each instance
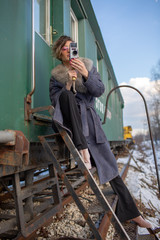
(131, 229)
(146, 237)
(123, 232)
(88, 176)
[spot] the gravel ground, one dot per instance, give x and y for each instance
(71, 222)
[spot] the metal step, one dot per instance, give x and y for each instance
(131, 229)
(146, 237)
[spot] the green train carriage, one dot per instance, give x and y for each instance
(28, 29)
(19, 64)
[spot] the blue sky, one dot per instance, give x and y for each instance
(131, 32)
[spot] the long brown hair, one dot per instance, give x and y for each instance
(59, 44)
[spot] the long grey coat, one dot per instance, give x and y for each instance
(87, 91)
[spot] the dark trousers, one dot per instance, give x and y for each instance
(126, 208)
(72, 118)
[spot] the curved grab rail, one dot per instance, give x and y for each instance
(149, 125)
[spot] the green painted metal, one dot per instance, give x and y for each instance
(87, 45)
(114, 126)
(61, 21)
(78, 9)
(90, 46)
(61, 18)
(15, 73)
(58, 28)
(15, 62)
(43, 67)
(81, 37)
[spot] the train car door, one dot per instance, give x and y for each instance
(42, 24)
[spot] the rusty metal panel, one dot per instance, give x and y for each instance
(29, 217)
(15, 155)
(18, 202)
(30, 190)
(10, 158)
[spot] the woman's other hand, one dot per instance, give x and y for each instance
(79, 66)
(72, 74)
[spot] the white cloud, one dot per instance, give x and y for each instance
(134, 110)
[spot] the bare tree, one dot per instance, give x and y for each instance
(156, 72)
(139, 138)
(155, 103)
(155, 118)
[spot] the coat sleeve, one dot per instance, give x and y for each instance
(94, 84)
(55, 89)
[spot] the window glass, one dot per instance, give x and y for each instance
(97, 65)
(42, 18)
(74, 26)
(100, 67)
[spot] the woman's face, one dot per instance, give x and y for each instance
(65, 52)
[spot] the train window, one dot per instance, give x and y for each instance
(100, 67)
(99, 58)
(74, 26)
(42, 18)
(97, 65)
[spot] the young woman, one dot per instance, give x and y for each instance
(76, 113)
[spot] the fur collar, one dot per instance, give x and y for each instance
(60, 73)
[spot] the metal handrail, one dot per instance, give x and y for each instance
(33, 57)
(148, 120)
